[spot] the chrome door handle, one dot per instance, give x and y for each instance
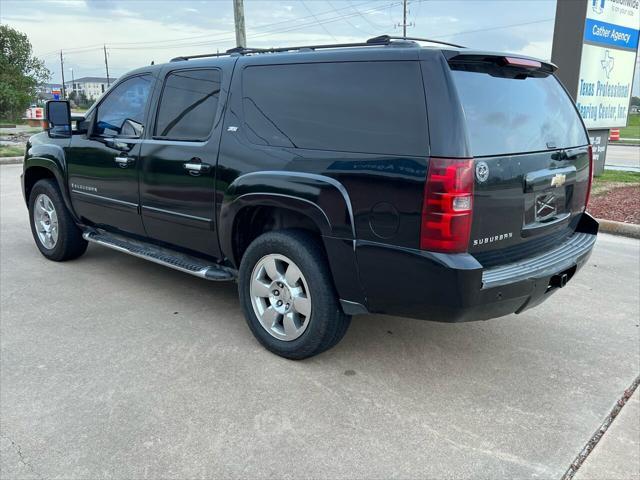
(196, 168)
(124, 162)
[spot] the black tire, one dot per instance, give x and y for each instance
(69, 244)
(327, 322)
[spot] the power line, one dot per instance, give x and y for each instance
(297, 26)
(306, 18)
(494, 28)
(317, 21)
(347, 20)
(224, 38)
(358, 13)
(313, 20)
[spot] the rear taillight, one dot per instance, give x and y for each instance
(586, 200)
(448, 205)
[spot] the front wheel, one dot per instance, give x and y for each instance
(287, 295)
(56, 235)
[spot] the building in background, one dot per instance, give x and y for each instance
(89, 87)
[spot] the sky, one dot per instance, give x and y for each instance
(137, 32)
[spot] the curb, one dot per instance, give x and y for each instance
(619, 228)
(11, 160)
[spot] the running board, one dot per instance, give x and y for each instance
(162, 256)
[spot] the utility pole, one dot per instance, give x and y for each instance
(238, 15)
(404, 24)
(106, 64)
(73, 84)
(64, 93)
(404, 18)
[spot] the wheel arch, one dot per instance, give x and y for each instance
(313, 202)
(323, 200)
(38, 168)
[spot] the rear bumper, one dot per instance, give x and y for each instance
(455, 288)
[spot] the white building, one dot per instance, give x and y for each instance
(92, 87)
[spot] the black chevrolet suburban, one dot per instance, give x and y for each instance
(438, 183)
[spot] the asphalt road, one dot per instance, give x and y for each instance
(623, 156)
(112, 367)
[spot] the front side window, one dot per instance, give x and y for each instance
(188, 105)
(122, 111)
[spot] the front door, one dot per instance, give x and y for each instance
(177, 187)
(103, 165)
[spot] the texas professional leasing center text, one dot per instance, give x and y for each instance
(604, 90)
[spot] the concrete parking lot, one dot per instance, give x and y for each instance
(112, 367)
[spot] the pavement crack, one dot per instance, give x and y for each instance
(21, 457)
(599, 433)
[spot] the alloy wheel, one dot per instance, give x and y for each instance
(280, 297)
(45, 219)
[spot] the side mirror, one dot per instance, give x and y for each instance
(58, 113)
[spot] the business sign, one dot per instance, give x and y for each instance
(610, 46)
(55, 92)
(599, 140)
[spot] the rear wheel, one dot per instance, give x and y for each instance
(56, 235)
(288, 297)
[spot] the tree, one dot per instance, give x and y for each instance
(73, 98)
(635, 101)
(20, 73)
(83, 101)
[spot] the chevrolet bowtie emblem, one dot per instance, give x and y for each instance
(558, 180)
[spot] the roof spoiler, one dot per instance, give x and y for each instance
(506, 60)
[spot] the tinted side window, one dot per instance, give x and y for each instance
(188, 105)
(126, 101)
(517, 113)
(375, 107)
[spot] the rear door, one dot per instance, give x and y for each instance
(531, 156)
(177, 187)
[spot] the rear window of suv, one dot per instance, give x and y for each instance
(368, 107)
(514, 112)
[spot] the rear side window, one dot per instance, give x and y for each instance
(188, 105)
(369, 107)
(514, 113)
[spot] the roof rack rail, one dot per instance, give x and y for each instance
(368, 43)
(381, 40)
(248, 50)
(203, 55)
(231, 51)
(388, 38)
